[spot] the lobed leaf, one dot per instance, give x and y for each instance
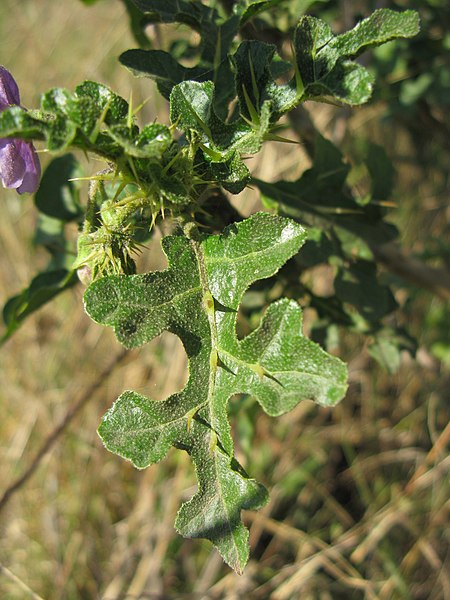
(323, 60)
(197, 298)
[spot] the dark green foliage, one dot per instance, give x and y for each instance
(57, 195)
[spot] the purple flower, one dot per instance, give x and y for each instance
(20, 168)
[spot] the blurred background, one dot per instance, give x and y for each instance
(359, 495)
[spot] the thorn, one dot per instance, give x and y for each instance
(213, 441)
(190, 415)
(259, 370)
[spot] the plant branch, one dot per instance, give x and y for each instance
(51, 439)
(435, 280)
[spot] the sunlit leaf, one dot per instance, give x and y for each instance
(197, 298)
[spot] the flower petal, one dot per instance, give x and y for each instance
(9, 90)
(32, 167)
(12, 164)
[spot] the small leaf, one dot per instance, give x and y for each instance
(57, 196)
(105, 100)
(216, 37)
(254, 79)
(43, 288)
(191, 106)
(151, 142)
(254, 7)
(232, 174)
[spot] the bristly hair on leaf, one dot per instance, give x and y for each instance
(197, 299)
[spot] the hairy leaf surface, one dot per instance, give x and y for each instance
(197, 298)
(324, 61)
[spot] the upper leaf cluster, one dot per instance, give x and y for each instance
(322, 64)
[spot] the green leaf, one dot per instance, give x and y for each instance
(43, 288)
(88, 108)
(323, 69)
(216, 37)
(254, 7)
(191, 106)
(323, 59)
(114, 107)
(57, 201)
(254, 80)
(170, 11)
(157, 65)
(357, 284)
(320, 198)
(17, 122)
(51, 235)
(382, 26)
(137, 24)
(78, 119)
(348, 83)
(232, 174)
(387, 346)
(192, 110)
(57, 195)
(197, 298)
(224, 490)
(380, 169)
(151, 142)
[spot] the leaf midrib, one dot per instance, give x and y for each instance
(244, 257)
